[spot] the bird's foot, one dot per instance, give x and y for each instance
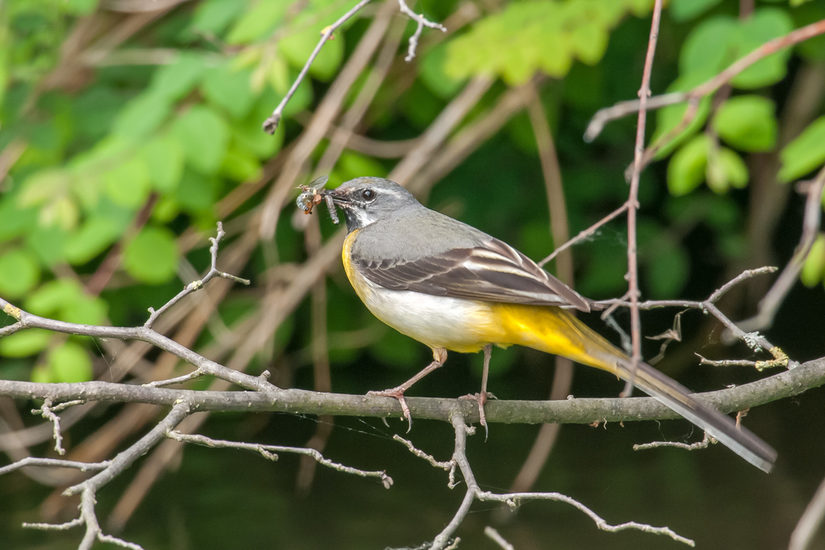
(481, 399)
(398, 394)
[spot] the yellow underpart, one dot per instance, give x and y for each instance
(557, 331)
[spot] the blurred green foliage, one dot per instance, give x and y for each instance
(168, 122)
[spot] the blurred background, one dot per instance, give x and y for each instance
(128, 128)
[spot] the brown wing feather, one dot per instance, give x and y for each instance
(495, 272)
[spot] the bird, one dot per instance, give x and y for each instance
(455, 288)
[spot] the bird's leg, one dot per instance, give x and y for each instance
(481, 398)
(439, 357)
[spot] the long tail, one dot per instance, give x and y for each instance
(556, 331)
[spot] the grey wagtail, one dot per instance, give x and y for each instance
(453, 287)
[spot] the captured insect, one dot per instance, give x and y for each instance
(311, 195)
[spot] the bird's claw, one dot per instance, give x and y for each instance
(398, 395)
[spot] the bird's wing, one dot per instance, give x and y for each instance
(493, 272)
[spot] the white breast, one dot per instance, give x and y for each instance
(437, 321)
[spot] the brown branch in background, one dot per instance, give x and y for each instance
(633, 200)
(322, 379)
(770, 303)
(432, 139)
(624, 108)
(809, 523)
(556, 205)
(470, 137)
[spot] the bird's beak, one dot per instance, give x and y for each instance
(338, 198)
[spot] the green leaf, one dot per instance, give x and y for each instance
(726, 169)
(61, 211)
(84, 310)
(258, 21)
(164, 159)
(686, 169)
(525, 37)
(763, 25)
(175, 80)
(747, 122)
(813, 270)
(79, 7)
(152, 256)
(197, 193)
(142, 116)
(14, 220)
(52, 296)
(204, 136)
(43, 186)
(670, 117)
(434, 76)
(241, 165)
(229, 89)
(19, 272)
(683, 10)
(24, 343)
(127, 183)
(213, 16)
(48, 243)
(353, 165)
(70, 362)
(93, 237)
(705, 51)
(805, 153)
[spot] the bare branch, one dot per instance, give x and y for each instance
(199, 284)
(633, 203)
(421, 22)
(788, 383)
(706, 441)
(207, 366)
(753, 340)
(513, 500)
(45, 410)
(269, 453)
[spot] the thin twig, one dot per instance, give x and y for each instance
(513, 500)
(633, 202)
(269, 452)
(45, 410)
(421, 22)
(753, 340)
(198, 284)
(271, 123)
(706, 441)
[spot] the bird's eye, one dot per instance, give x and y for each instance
(368, 195)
